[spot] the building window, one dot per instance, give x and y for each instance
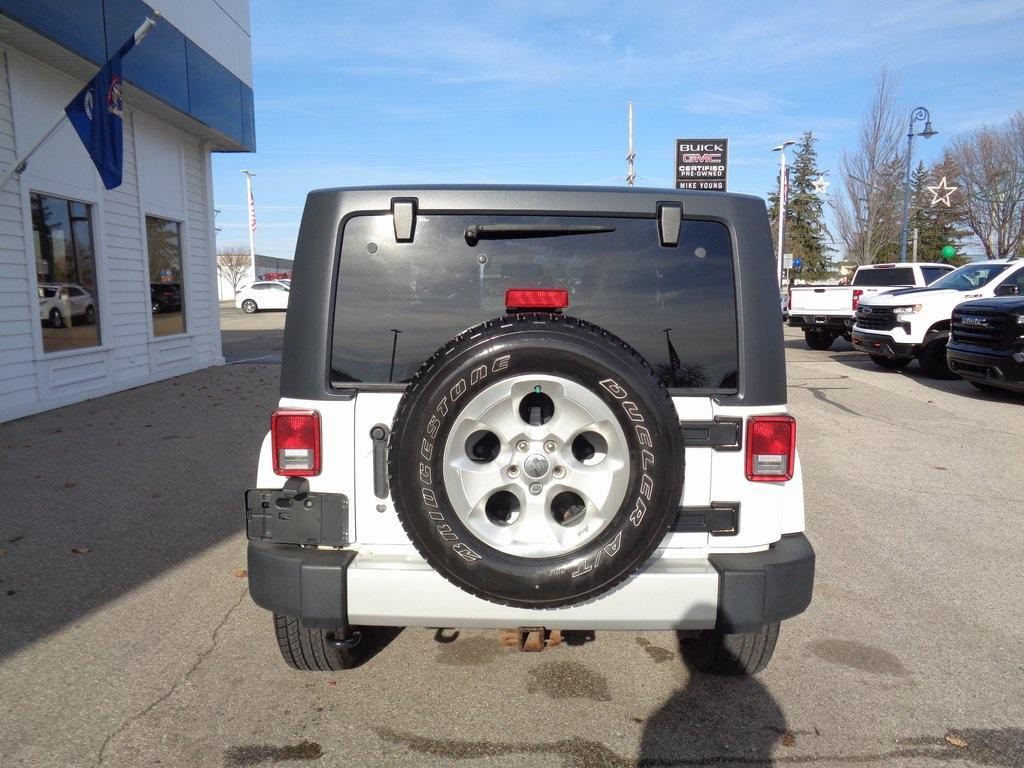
(66, 273)
(165, 279)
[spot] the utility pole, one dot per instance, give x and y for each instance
(630, 155)
(251, 206)
(783, 193)
(919, 113)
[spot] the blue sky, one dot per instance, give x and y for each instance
(535, 93)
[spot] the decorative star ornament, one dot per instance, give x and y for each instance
(820, 185)
(941, 193)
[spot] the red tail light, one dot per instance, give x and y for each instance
(295, 438)
(771, 448)
(536, 298)
(855, 301)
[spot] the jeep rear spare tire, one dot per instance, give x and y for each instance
(536, 461)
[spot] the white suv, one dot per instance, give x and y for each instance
(535, 409)
(895, 327)
(263, 294)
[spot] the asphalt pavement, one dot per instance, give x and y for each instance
(127, 636)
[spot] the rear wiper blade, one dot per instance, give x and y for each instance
(477, 232)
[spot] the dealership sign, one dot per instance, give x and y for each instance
(702, 164)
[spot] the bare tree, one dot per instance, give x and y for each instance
(868, 213)
(233, 265)
(988, 169)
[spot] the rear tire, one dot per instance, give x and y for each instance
(309, 649)
(56, 318)
(933, 360)
(891, 363)
(719, 653)
(249, 307)
(90, 315)
(819, 340)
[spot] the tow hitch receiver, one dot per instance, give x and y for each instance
(531, 639)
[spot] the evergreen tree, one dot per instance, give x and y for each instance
(936, 225)
(806, 234)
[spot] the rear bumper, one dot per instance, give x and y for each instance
(998, 368)
(838, 323)
(879, 344)
(336, 588)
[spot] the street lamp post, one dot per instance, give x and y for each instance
(783, 191)
(919, 113)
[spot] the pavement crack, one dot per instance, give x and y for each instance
(200, 658)
(819, 394)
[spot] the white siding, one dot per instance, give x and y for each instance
(166, 173)
(126, 325)
(18, 310)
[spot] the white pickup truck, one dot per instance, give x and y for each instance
(899, 326)
(825, 312)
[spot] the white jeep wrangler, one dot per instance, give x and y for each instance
(531, 408)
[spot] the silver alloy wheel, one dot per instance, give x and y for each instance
(492, 483)
(248, 306)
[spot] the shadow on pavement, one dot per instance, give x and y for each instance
(714, 720)
(102, 496)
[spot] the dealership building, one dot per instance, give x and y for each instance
(103, 290)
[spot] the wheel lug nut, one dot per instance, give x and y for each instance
(550, 446)
(558, 472)
(536, 488)
(513, 471)
(522, 446)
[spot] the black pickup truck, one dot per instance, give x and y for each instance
(986, 345)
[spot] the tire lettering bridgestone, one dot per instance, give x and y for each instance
(460, 388)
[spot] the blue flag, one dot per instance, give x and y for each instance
(96, 113)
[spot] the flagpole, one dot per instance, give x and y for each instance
(21, 162)
(250, 206)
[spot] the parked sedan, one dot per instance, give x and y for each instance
(264, 294)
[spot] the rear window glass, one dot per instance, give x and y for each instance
(931, 274)
(879, 277)
(396, 303)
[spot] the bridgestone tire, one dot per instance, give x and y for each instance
(819, 340)
(548, 345)
(308, 649)
(933, 360)
(717, 653)
(891, 363)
